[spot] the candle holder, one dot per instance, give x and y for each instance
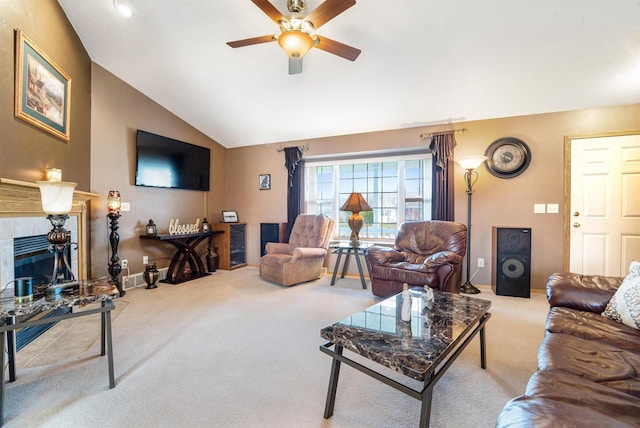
(151, 228)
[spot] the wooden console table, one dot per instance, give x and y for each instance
(185, 254)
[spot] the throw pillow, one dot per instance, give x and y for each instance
(624, 306)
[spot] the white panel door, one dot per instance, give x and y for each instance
(605, 204)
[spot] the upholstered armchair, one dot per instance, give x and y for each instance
(425, 253)
(302, 258)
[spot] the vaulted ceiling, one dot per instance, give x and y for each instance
(423, 62)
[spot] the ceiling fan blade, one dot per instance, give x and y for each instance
(270, 10)
(295, 65)
(327, 11)
(252, 41)
(337, 48)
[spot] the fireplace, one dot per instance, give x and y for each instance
(32, 258)
(21, 216)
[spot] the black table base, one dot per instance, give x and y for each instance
(425, 395)
(185, 255)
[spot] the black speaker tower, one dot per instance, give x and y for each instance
(270, 232)
(512, 261)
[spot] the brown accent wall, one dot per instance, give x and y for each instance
(27, 150)
(496, 202)
(118, 110)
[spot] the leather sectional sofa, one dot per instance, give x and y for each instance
(588, 365)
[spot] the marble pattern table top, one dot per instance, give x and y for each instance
(414, 348)
(83, 293)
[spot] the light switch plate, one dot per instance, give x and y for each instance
(125, 206)
(552, 208)
(539, 208)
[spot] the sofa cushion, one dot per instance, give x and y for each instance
(624, 306)
(555, 399)
(275, 259)
(309, 230)
(428, 237)
(588, 325)
(591, 360)
(412, 274)
(583, 292)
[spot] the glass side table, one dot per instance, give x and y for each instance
(345, 248)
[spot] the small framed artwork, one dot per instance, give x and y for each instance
(43, 90)
(229, 216)
(265, 181)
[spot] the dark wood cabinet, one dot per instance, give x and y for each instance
(230, 245)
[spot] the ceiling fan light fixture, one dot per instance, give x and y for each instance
(297, 6)
(295, 43)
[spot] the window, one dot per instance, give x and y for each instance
(397, 188)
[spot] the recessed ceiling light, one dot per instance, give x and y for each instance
(124, 7)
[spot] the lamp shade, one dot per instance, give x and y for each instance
(113, 202)
(295, 43)
(471, 162)
(355, 203)
(57, 196)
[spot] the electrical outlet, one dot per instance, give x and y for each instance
(480, 262)
(125, 264)
(145, 260)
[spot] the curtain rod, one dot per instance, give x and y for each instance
(425, 135)
(303, 148)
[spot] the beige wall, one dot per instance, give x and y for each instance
(100, 156)
(27, 150)
(496, 202)
(118, 111)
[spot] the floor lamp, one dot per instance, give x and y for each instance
(470, 164)
(113, 208)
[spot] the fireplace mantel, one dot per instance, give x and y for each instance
(20, 199)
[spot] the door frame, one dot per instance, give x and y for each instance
(567, 186)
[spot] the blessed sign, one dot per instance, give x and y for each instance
(175, 228)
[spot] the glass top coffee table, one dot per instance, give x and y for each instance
(421, 349)
(347, 248)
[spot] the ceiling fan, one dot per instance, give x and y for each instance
(296, 36)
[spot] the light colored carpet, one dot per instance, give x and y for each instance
(232, 350)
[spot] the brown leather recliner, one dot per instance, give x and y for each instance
(425, 253)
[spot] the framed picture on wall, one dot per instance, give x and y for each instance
(43, 90)
(229, 216)
(265, 181)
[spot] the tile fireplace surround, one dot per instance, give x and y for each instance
(21, 215)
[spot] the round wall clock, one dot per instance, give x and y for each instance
(508, 157)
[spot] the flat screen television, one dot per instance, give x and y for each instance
(169, 163)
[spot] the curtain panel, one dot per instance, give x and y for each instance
(293, 157)
(442, 189)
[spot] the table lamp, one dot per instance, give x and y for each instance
(355, 203)
(57, 199)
